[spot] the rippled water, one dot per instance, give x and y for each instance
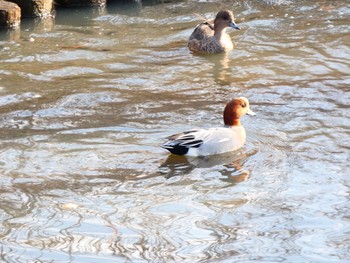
(87, 98)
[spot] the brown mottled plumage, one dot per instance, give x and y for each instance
(212, 38)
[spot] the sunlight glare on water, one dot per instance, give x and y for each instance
(87, 98)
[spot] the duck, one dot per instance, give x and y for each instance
(215, 140)
(212, 38)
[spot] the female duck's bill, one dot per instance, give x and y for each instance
(212, 38)
(202, 142)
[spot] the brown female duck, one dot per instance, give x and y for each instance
(212, 38)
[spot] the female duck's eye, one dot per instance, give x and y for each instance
(243, 105)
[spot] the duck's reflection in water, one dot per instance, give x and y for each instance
(222, 70)
(219, 67)
(229, 165)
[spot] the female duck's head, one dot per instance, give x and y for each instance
(223, 20)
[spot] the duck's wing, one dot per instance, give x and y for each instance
(202, 39)
(206, 141)
(202, 31)
(180, 143)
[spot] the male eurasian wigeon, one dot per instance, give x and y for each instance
(202, 142)
(212, 38)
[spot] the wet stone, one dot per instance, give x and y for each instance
(35, 8)
(10, 14)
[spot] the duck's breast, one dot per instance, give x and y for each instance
(226, 42)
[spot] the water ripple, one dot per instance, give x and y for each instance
(86, 102)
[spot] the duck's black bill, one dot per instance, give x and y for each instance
(233, 25)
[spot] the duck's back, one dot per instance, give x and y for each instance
(202, 142)
(220, 140)
(202, 31)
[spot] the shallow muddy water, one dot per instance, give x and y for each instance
(87, 98)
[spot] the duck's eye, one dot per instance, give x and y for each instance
(243, 105)
(226, 18)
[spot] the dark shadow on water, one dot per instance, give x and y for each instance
(131, 8)
(7, 34)
(78, 16)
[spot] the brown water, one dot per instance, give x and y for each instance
(87, 98)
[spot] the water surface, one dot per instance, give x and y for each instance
(87, 98)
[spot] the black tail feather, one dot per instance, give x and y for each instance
(176, 149)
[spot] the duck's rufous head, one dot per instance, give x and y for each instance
(235, 109)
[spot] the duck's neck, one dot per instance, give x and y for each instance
(233, 122)
(219, 32)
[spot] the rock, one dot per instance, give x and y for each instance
(81, 2)
(10, 14)
(35, 8)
